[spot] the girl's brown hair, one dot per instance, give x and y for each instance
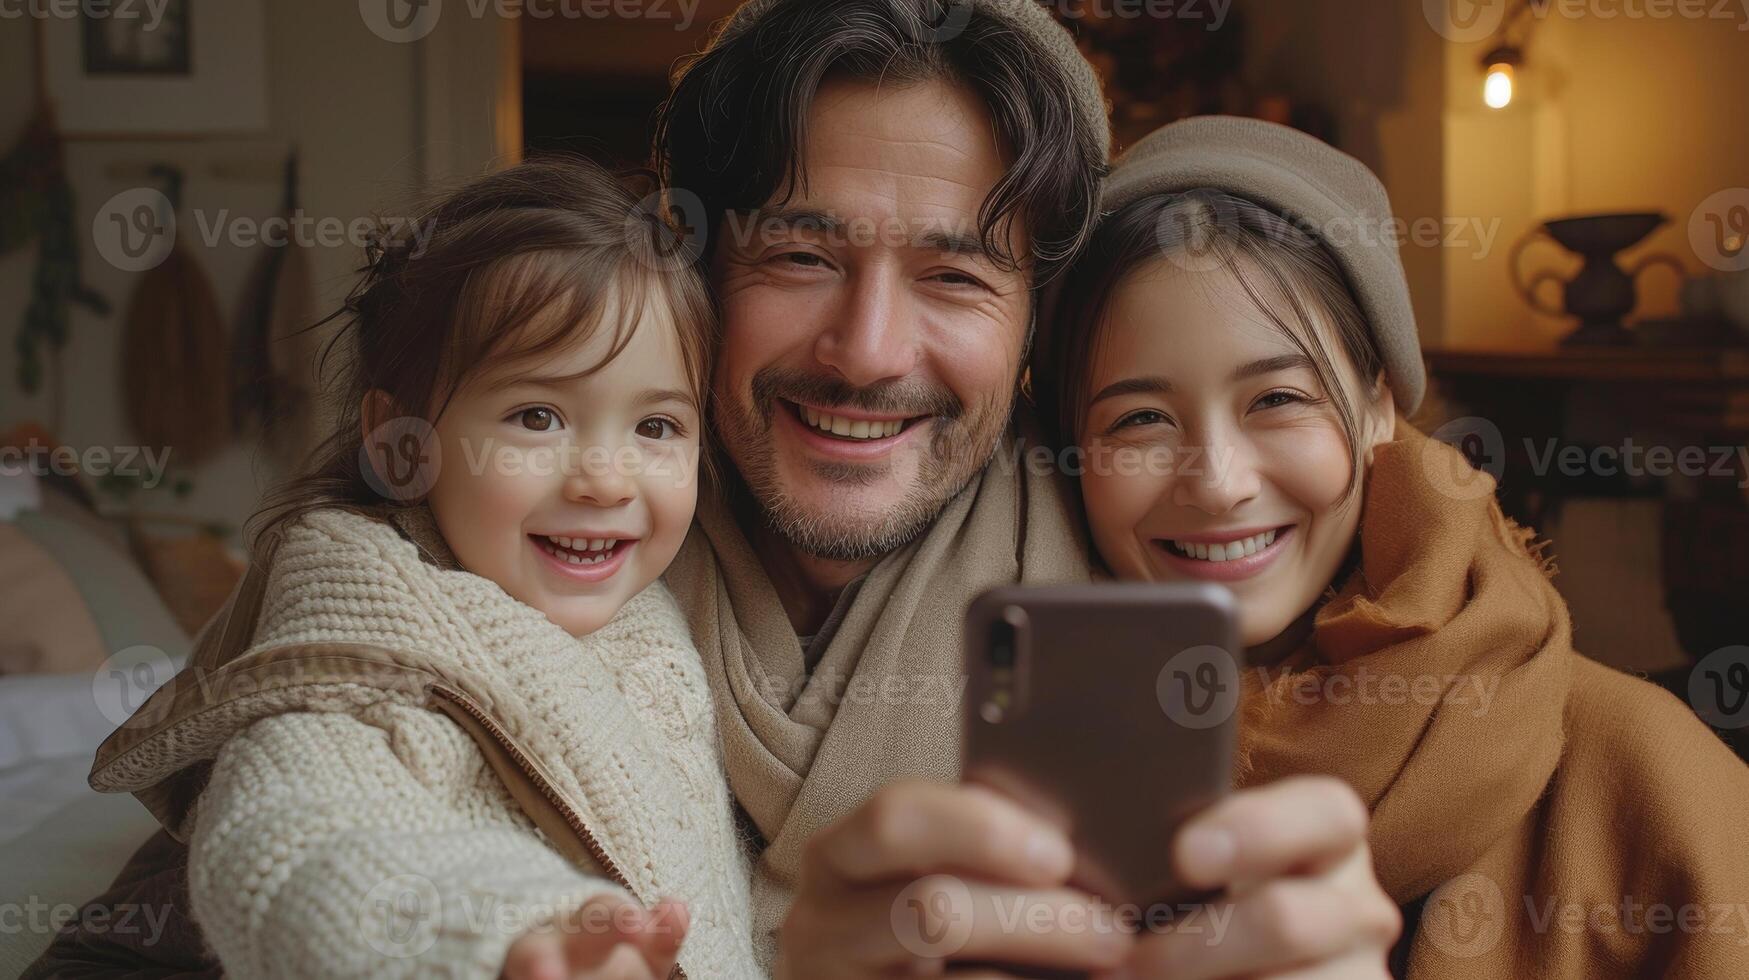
(1283, 268)
(510, 267)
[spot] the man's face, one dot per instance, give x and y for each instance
(870, 348)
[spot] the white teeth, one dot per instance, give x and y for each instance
(852, 428)
(581, 551)
(1226, 550)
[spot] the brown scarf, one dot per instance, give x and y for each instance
(1527, 784)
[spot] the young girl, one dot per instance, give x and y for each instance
(451, 723)
(1235, 359)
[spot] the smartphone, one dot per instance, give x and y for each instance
(1110, 709)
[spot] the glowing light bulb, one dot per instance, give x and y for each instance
(1497, 90)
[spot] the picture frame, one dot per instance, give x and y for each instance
(174, 69)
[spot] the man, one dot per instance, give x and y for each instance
(886, 185)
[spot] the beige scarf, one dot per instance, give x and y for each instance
(805, 748)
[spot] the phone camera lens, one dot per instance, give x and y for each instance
(1002, 645)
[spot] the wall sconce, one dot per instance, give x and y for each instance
(1501, 64)
(1501, 76)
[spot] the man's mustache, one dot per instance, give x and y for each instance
(909, 398)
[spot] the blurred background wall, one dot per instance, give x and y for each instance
(1613, 111)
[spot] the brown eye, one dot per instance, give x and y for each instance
(539, 419)
(657, 428)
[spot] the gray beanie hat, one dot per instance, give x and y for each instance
(1029, 19)
(1303, 178)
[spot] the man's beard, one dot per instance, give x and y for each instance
(961, 443)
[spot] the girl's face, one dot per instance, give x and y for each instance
(573, 494)
(1213, 453)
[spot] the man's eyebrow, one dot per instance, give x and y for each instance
(804, 219)
(971, 246)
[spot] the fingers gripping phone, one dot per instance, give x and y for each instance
(1110, 710)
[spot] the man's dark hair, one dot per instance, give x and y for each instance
(732, 129)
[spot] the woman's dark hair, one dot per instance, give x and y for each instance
(732, 130)
(1284, 269)
(511, 267)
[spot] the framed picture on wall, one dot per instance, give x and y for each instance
(178, 68)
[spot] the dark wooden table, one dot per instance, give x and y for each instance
(1693, 397)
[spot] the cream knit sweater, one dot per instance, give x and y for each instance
(349, 834)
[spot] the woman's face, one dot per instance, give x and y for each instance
(1213, 453)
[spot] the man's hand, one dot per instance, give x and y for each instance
(1300, 897)
(608, 938)
(915, 880)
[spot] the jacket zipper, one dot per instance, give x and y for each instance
(590, 842)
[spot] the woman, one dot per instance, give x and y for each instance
(1242, 314)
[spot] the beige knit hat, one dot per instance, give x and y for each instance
(1300, 177)
(1028, 18)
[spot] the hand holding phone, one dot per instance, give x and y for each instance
(1110, 710)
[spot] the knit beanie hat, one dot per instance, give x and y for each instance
(1302, 178)
(1027, 18)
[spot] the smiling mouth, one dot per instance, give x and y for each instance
(581, 551)
(1222, 551)
(850, 429)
